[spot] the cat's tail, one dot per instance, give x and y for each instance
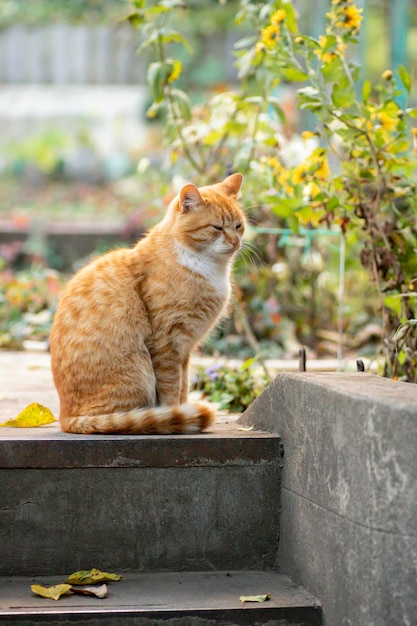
(158, 420)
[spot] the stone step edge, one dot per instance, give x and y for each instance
(52, 449)
(166, 595)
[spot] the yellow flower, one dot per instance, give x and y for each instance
(176, 72)
(274, 163)
(323, 171)
(319, 158)
(322, 41)
(278, 16)
(364, 123)
(387, 122)
(351, 18)
(280, 171)
(269, 35)
(326, 57)
(299, 173)
(307, 134)
(387, 75)
(312, 189)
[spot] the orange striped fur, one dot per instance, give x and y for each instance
(127, 322)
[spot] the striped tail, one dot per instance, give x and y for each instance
(158, 420)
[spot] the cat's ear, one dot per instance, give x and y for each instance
(190, 198)
(232, 184)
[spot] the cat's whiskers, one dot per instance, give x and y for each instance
(250, 254)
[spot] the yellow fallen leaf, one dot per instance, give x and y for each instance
(34, 414)
(255, 598)
(54, 592)
(88, 577)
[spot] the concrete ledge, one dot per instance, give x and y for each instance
(72, 240)
(349, 491)
(48, 447)
(202, 502)
(174, 599)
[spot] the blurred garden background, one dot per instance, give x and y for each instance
(107, 107)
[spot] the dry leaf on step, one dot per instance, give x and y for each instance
(263, 598)
(99, 592)
(54, 592)
(89, 577)
(33, 415)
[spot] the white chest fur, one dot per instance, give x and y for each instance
(207, 266)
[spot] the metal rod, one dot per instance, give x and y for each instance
(341, 303)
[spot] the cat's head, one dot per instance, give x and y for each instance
(209, 219)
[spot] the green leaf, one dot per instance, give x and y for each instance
(332, 203)
(254, 100)
(290, 17)
(172, 36)
(412, 112)
(309, 98)
(398, 146)
(152, 12)
(158, 73)
(245, 42)
(246, 61)
(366, 91)
(293, 74)
(401, 357)
(154, 109)
(275, 103)
(183, 103)
(394, 303)
(285, 207)
(88, 577)
(135, 19)
(343, 95)
(405, 77)
(333, 70)
(247, 364)
(213, 137)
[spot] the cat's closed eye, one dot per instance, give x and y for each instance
(217, 227)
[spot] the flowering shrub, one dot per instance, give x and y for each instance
(27, 301)
(232, 389)
(356, 165)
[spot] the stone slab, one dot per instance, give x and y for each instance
(178, 599)
(47, 447)
(349, 491)
(138, 502)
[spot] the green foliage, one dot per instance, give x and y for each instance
(232, 389)
(354, 170)
(44, 151)
(41, 11)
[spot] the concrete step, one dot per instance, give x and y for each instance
(174, 599)
(149, 503)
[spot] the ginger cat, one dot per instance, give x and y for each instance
(127, 322)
